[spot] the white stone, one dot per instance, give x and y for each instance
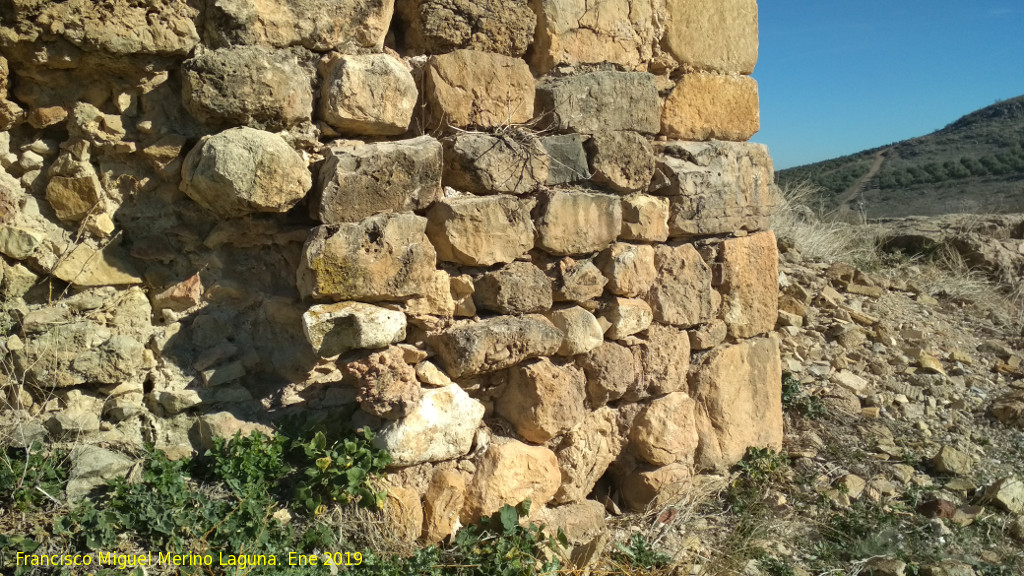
(334, 329)
(582, 331)
(441, 427)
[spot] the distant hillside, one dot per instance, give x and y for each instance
(975, 164)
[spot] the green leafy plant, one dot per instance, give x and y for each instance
(338, 472)
(248, 464)
(639, 553)
(795, 399)
(773, 566)
(499, 545)
(29, 477)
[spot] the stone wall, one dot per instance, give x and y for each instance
(524, 241)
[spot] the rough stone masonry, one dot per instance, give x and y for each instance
(523, 240)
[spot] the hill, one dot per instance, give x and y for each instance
(975, 164)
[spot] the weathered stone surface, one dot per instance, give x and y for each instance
(621, 161)
(1007, 494)
(542, 399)
(580, 522)
(387, 384)
(76, 352)
(436, 299)
(92, 466)
(646, 485)
(480, 231)
(738, 390)
(404, 513)
(578, 222)
(1009, 409)
(582, 331)
(179, 296)
(469, 88)
(225, 425)
(70, 423)
(319, 25)
(509, 473)
(440, 427)
(600, 101)
(949, 460)
(644, 218)
(123, 29)
(436, 26)
(248, 85)
(74, 192)
(713, 34)
(578, 281)
(385, 257)
(585, 453)
(568, 160)
(576, 32)
(627, 316)
(442, 503)
(86, 266)
(495, 343)
(244, 170)
(359, 180)
(629, 268)
(662, 360)
(665, 431)
(611, 372)
(517, 288)
(10, 113)
(681, 294)
(368, 94)
(18, 243)
(335, 329)
(711, 106)
(485, 164)
(717, 187)
(749, 284)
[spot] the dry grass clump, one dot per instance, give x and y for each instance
(798, 225)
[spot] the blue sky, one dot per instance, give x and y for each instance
(839, 76)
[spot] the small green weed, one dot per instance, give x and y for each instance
(27, 476)
(338, 471)
(795, 399)
(639, 554)
(773, 566)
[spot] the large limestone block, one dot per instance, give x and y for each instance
(368, 94)
(440, 427)
(74, 197)
(718, 35)
(749, 284)
(644, 218)
(437, 26)
(495, 343)
(599, 101)
(681, 294)
(585, 453)
(480, 231)
(248, 85)
(335, 329)
(623, 32)
(85, 266)
(580, 522)
(629, 268)
(319, 25)
(611, 372)
(385, 257)
(360, 180)
(665, 431)
(621, 161)
(738, 390)
(662, 360)
(517, 288)
(577, 280)
(717, 187)
(403, 514)
(542, 399)
(485, 164)
(712, 106)
(469, 88)
(509, 473)
(442, 503)
(578, 223)
(244, 170)
(122, 28)
(568, 159)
